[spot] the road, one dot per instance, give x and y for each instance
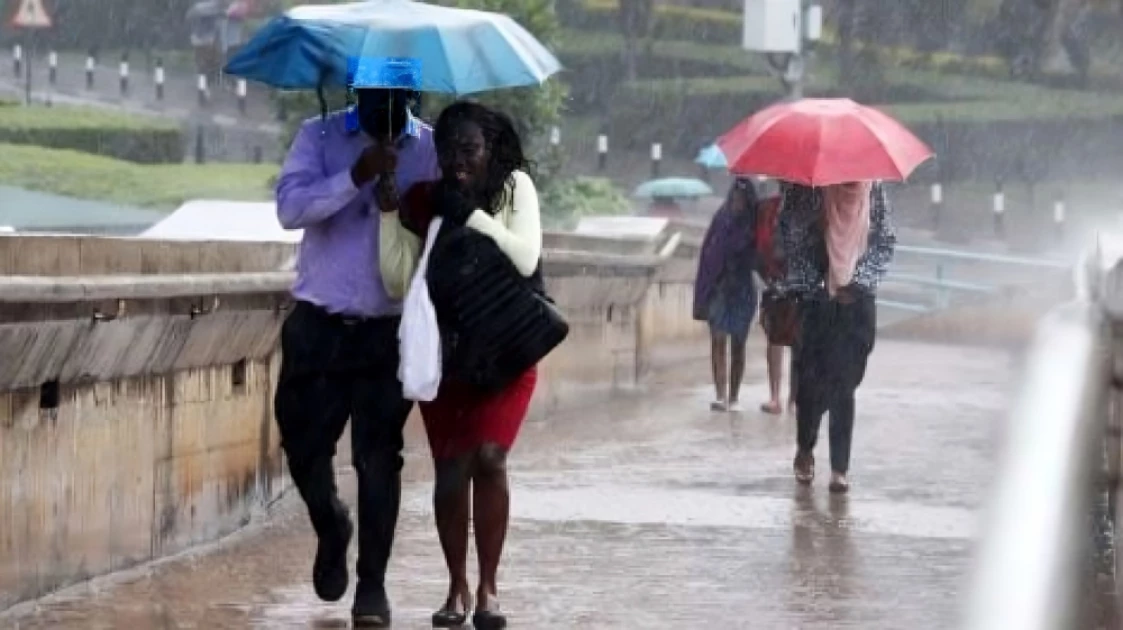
(654, 512)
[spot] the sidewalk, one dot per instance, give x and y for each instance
(654, 513)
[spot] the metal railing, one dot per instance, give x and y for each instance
(1034, 552)
(942, 287)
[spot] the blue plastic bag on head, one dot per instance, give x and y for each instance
(386, 73)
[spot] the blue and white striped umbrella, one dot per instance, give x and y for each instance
(711, 157)
(459, 51)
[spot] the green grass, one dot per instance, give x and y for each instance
(158, 186)
(15, 116)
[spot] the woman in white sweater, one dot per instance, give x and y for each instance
(485, 187)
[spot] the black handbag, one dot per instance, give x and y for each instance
(495, 324)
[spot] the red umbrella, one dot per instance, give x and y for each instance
(818, 142)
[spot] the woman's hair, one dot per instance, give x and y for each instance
(745, 184)
(504, 148)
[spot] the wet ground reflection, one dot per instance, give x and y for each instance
(653, 512)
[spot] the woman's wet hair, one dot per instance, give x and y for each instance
(744, 184)
(504, 147)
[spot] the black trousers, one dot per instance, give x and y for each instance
(835, 341)
(334, 369)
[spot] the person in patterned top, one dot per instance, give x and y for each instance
(837, 243)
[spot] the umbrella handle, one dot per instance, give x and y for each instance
(323, 104)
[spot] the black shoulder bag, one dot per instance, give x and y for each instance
(495, 324)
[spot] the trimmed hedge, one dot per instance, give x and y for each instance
(141, 139)
(723, 29)
(980, 127)
(159, 186)
(670, 21)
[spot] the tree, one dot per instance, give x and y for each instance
(635, 17)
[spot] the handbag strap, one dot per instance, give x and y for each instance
(430, 238)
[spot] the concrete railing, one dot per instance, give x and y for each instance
(1044, 564)
(136, 406)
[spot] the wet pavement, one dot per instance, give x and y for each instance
(654, 512)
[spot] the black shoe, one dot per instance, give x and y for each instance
(488, 620)
(329, 571)
(372, 607)
(455, 612)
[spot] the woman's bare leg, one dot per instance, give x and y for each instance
(452, 508)
(775, 362)
(492, 510)
(736, 369)
(719, 363)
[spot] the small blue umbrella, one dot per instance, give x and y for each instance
(673, 188)
(458, 51)
(711, 157)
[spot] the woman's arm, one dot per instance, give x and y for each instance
(522, 239)
(874, 263)
(398, 251)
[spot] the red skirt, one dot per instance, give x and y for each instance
(461, 418)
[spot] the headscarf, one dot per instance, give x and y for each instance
(846, 209)
(729, 242)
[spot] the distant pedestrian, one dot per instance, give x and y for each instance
(725, 292)
(779, 315)
(838, 242)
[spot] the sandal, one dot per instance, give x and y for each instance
(719, 405)
(450, 616)
(772, 408)
(804, 467)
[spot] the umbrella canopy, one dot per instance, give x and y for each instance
(818, 142)
(460, 51)
(711, 157)
(673, 188)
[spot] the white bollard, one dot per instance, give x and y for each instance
(241, 89)
(201, 84)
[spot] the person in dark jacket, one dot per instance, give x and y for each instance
(724, 290)
(838, 242)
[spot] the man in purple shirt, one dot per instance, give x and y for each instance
(340, 345)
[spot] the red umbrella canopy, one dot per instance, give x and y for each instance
(819, 142)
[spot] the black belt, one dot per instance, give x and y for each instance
(346, 319)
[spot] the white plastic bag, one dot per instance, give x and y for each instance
(419, 339)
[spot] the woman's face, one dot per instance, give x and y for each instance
(465, 156)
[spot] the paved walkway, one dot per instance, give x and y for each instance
(654, 512)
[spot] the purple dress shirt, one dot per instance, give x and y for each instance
(337, 268)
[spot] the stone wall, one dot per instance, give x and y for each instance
(112, 474)
(136, 385)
